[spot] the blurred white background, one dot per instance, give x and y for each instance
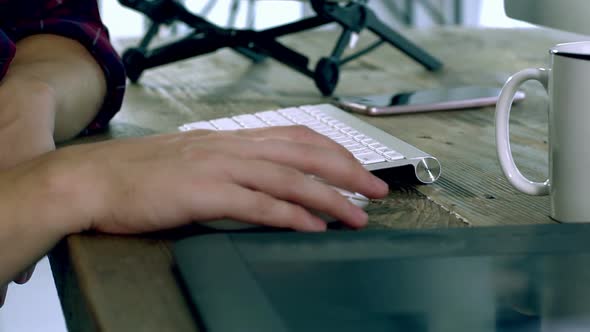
(124, 22)
(35, 307)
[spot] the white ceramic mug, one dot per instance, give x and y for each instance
(568, 84)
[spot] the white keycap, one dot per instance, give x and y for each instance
(296, 115)
(393, 155)
(226, 124)
(250, 121)
(274, 118)
(199, 125)
(370, 157)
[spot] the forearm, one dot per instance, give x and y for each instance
(67, 67)
(37, 209)
(27, 111)
(53, 89)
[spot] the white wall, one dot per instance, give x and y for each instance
(492, 15)
(124, 22)
(34, 306)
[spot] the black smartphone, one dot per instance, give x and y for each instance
(428, 100)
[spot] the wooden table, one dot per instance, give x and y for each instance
(111, 283)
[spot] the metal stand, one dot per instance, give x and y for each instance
(257, 45)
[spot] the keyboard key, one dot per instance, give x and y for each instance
(274, 119)
(359, 150)
(349, 131)
(199, 125)
(393, 155)
(370, 157)
(354, 147)
(226, 124)
(250, 121)
(345, 141)
(297, 115)
(337, 137)
(360, 137)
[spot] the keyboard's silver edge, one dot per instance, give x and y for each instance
(427, 169)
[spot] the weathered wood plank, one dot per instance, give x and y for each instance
(128, 286)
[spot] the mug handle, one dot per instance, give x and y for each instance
(503, 107)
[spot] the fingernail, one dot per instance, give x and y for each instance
(360, 216)
(316, 224)
(380, 184)
(23, 278)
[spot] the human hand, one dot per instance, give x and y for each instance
(20, 279)
(257, 176)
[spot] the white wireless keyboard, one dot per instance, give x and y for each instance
(381, 153)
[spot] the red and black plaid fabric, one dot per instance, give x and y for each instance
(76, 19)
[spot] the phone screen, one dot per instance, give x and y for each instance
(423, 100)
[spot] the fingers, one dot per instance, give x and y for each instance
(25, 276)
(291, 185)
(295, 133)
(336, 167)
(300, 134)
(260, 177)
(349, 175)
(298, 147)
(22, 278)
(3, 290)
(259, 208)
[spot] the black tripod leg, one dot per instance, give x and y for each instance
(327, 70)
(183, 49)
(250, 54)
(134, 57)
(137, 61)
(149, 35)
(341, 44)
(403, 44)
(285, 55)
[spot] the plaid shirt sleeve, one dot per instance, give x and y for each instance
(75, 19)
